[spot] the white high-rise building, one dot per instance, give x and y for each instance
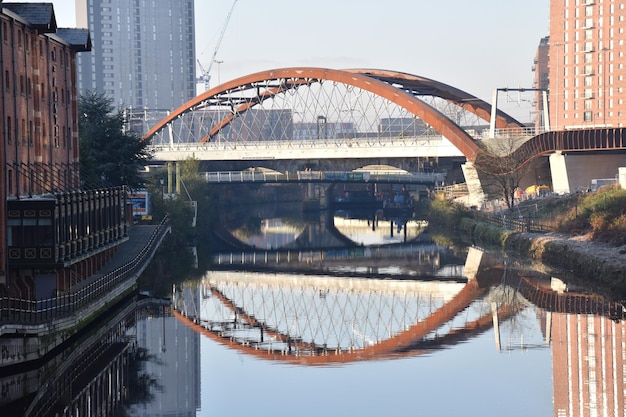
(143, 54)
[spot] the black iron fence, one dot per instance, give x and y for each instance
(17, 310)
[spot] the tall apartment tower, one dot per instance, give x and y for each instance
(586, 63)
(143, 53)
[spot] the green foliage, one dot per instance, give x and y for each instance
(109, 155)
(174, 262)
(603, 214)
(441, 212)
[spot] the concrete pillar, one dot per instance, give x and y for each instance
(474, 187)
(558, 170)
(573, 172)
(177, 178)
(622, 177)
(170, 176)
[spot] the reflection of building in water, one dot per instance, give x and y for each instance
(588, 365)
(177, 367)
(88, 374)
(587, 335)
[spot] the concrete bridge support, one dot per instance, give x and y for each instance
(572, 172)
(474, 187)
(317, 196)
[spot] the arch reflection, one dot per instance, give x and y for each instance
(319, 320)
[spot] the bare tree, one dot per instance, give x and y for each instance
(502, 168)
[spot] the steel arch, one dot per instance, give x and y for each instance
(270, 83)
(422, 86)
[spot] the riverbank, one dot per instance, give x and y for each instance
(31, 330)
(604, 264)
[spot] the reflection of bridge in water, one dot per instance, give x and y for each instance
(316, 319)
(313, 319)
(424, 260)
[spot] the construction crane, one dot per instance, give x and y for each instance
(206, 74)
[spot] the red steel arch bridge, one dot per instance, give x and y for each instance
(321, 114)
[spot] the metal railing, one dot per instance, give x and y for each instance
(18, 310)
(518, 131)
(325, 176)
(351, 142)
(512, 222)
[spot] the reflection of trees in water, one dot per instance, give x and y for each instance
(141, 384)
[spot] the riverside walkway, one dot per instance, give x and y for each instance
(57, 317)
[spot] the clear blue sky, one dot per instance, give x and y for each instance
(476, 46)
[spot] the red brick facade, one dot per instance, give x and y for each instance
(53, 233)
(586, 63)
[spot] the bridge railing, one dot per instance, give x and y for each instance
(355, 142)
(510, 132)
(325, 176)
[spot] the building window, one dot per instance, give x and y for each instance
(588, 116)
(9, 130)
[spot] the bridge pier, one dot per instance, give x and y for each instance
(474, 187)
(571, 172)
(317, 196)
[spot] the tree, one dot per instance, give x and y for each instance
(503, 168)
(109, 155)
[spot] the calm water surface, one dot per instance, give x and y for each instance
(299, 322)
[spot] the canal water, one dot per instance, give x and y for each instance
(346, 314)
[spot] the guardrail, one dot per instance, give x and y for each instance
(335, 143)
(18, 310)
(325, 176)
(518, 131)
(511, 222)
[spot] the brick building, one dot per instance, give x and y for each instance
(586, 64)
(54, 233)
